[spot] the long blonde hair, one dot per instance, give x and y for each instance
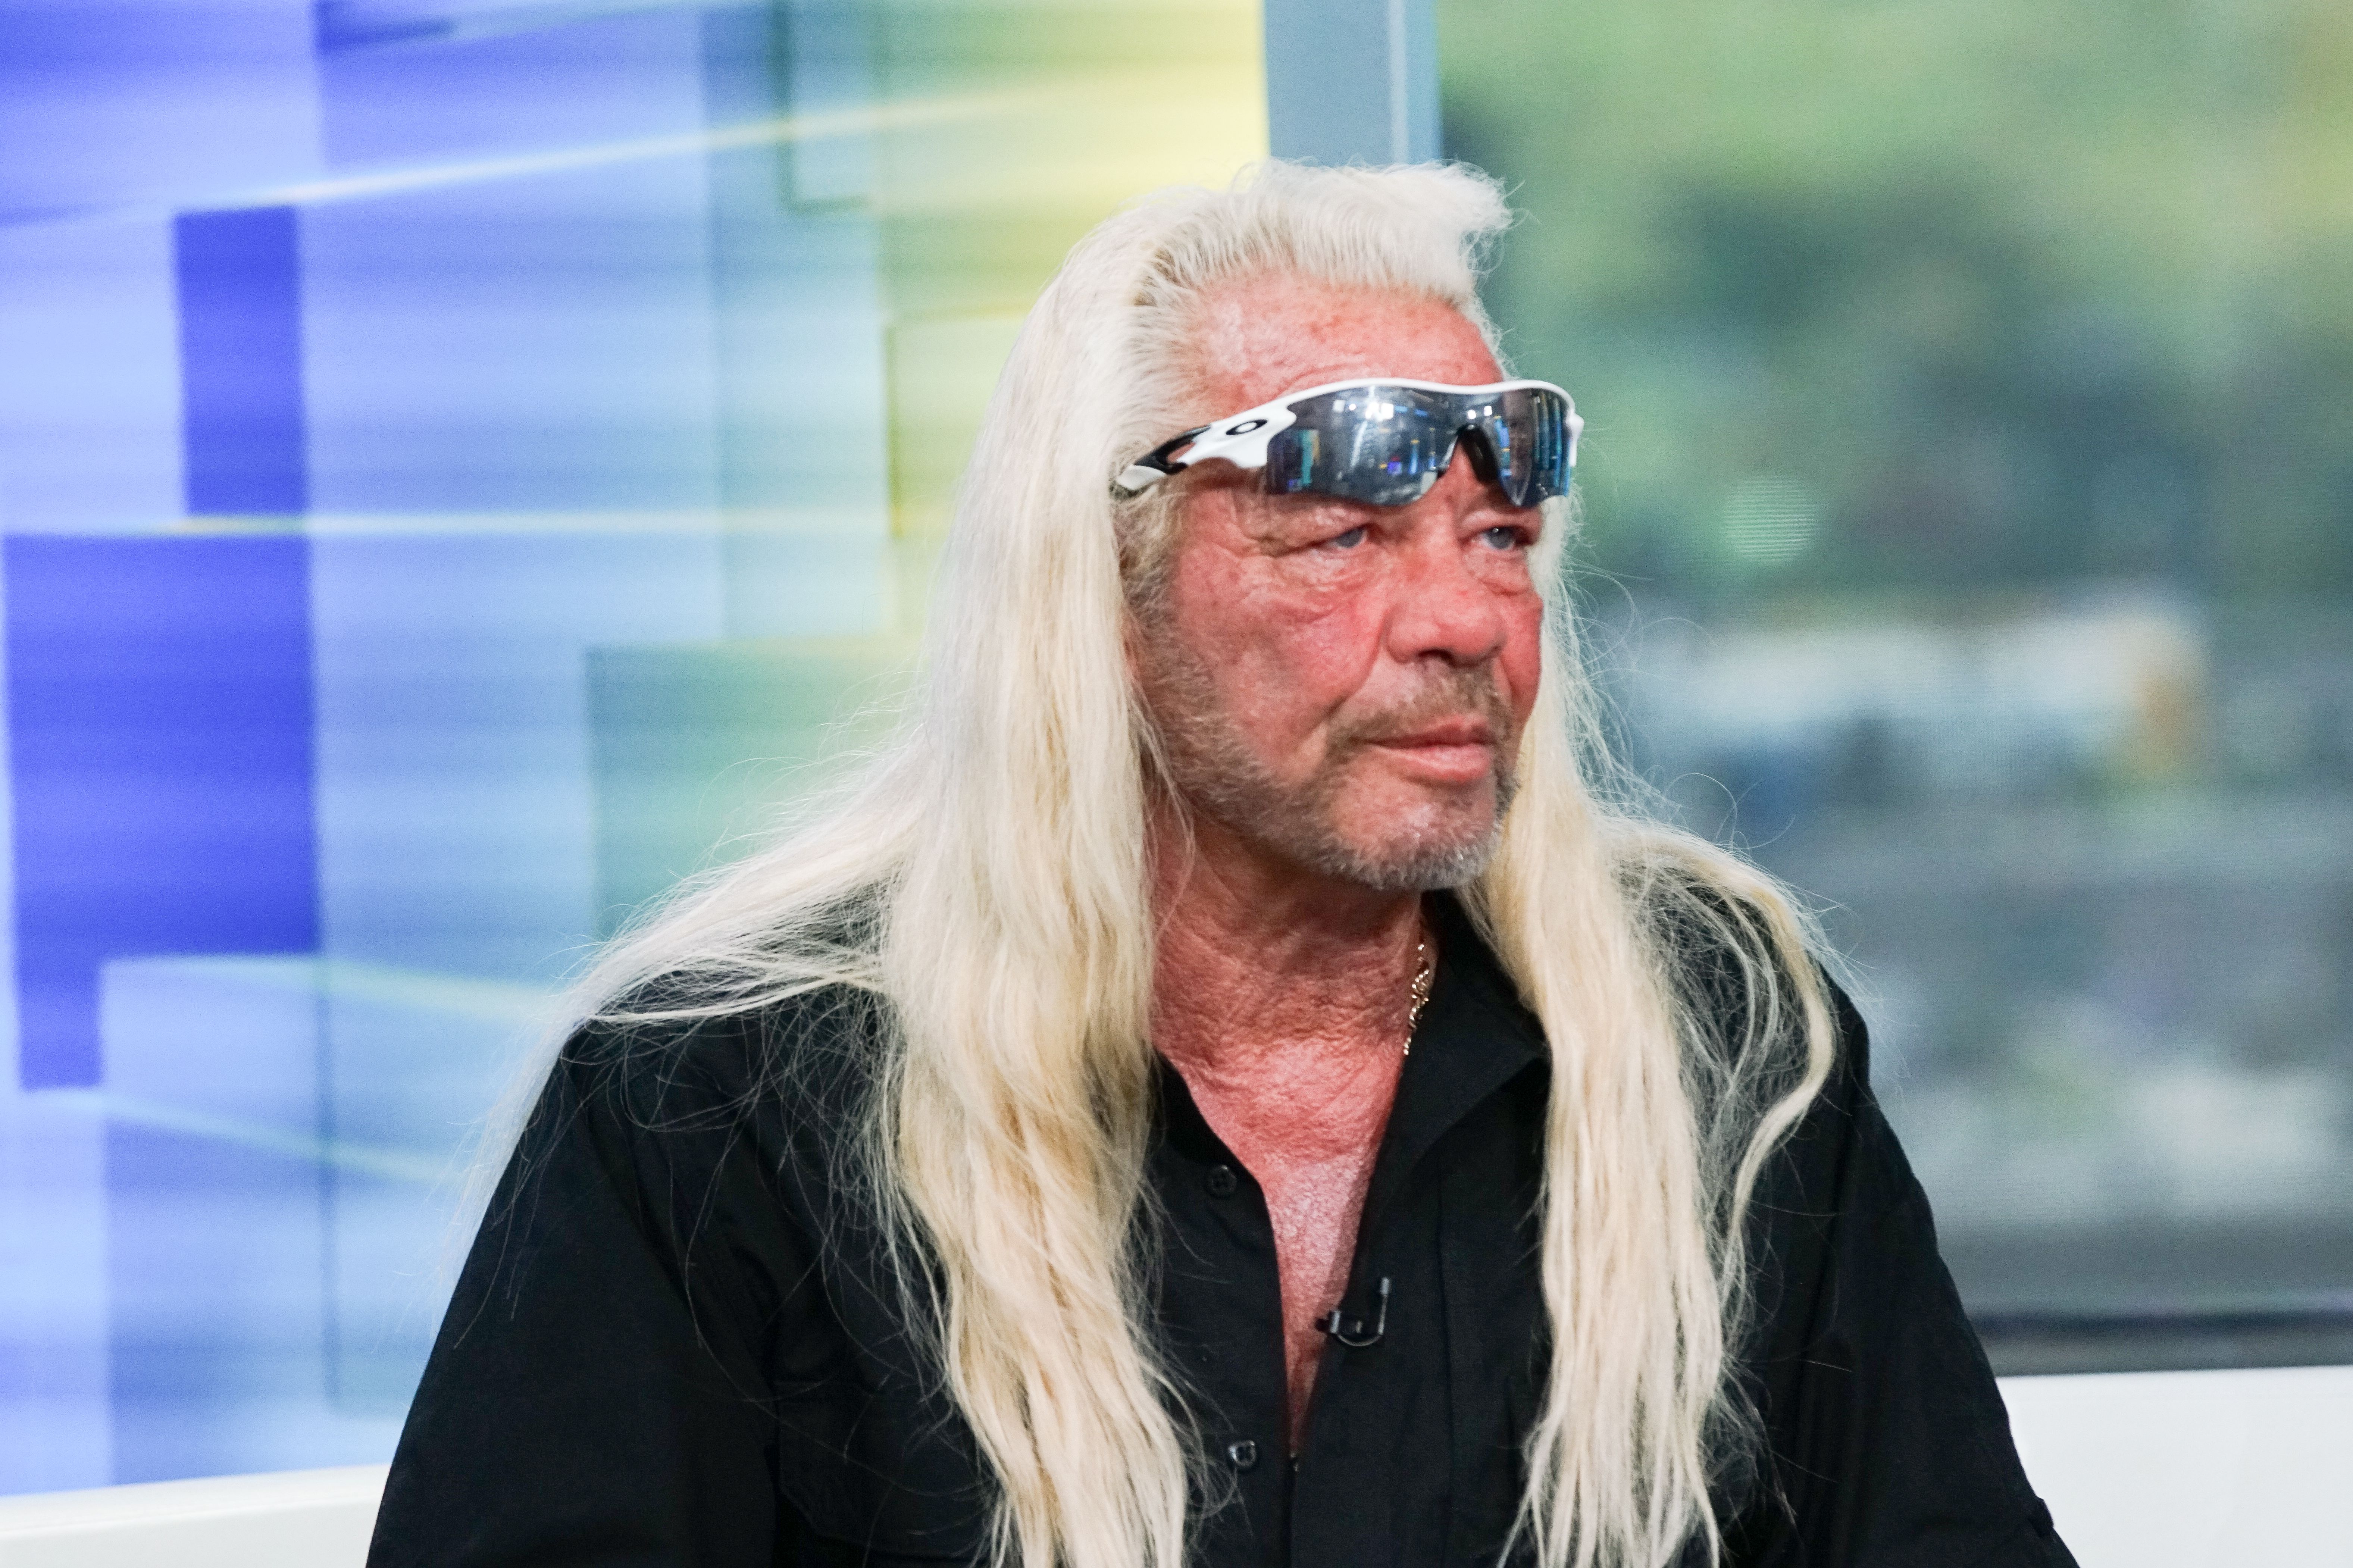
(982, 888)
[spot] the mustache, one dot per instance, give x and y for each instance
(1455, 694)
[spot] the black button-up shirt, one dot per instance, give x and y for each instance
(675, 1341)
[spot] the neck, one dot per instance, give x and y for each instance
(1260, 958)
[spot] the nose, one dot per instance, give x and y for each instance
(1443, 608)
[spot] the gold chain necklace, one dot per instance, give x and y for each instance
(1425, 974)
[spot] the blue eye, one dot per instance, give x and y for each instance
(1348, 541)
(1504, 538)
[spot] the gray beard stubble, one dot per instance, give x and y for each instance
(1214, 772)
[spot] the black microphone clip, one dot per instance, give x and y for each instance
(1350, 1332)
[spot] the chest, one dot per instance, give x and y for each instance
(1309, 1144)
(1409, 1453)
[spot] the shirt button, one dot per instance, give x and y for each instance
(1222, 1181)
(1244, 1455)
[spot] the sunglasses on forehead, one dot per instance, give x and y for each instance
(1385, 442)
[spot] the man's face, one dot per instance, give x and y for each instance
(1342, 686)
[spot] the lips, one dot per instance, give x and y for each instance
(1452, 751)
(1464, 731)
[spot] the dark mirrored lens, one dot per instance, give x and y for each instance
(1526, 433)
(1388, 445)
(1385, 446)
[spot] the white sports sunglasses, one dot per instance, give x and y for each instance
(1385, 442)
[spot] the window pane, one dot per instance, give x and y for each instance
(1966, 495)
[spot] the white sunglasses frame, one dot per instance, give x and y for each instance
(1242, 438)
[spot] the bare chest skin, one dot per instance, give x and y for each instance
(1299, 1087)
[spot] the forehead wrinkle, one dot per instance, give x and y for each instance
(1261, 335)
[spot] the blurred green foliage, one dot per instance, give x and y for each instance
(1933, 294)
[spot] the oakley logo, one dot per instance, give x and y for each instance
(1245, 428)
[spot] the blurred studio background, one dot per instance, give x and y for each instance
(460, 458)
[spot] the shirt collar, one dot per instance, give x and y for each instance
(1475, 1037)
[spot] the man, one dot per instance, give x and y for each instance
(1234, 1085)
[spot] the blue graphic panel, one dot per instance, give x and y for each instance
(526, 346)
(598, 81)
(90, 429)
(113, 103)
(239, 276)
(159, 694)
(218, 1161)
(368, 372)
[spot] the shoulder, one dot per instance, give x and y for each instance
(671, 1055)
(681, 1119)
(1749, 972)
